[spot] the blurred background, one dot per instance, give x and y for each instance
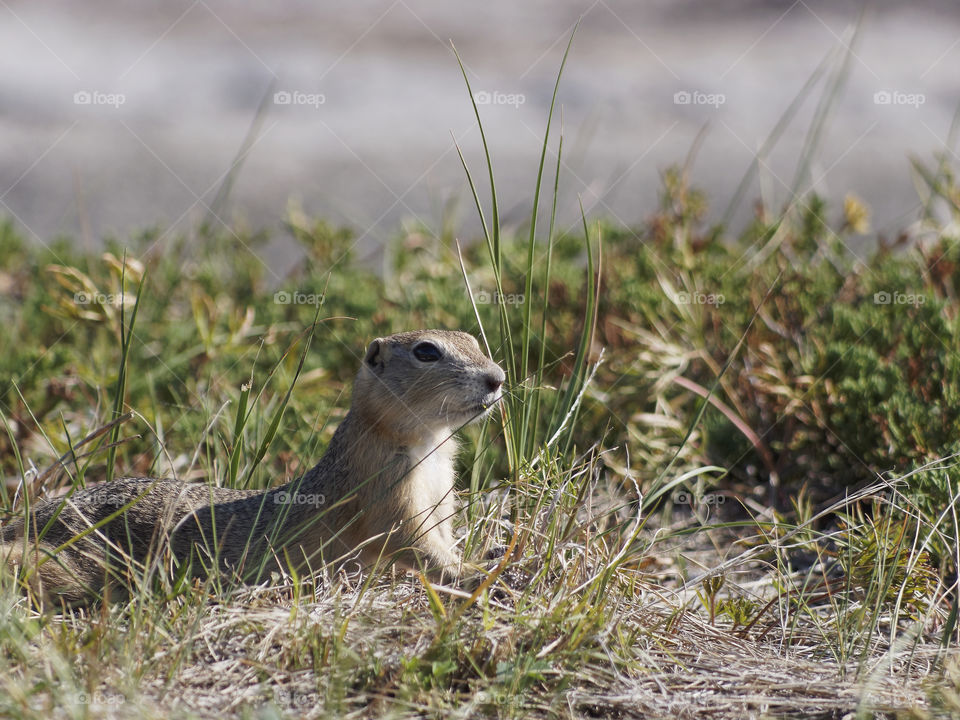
(117, 117)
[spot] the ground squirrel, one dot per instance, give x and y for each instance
(384, 488)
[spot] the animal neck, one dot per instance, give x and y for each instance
(362, 459)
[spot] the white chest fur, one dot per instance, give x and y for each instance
(430, 481)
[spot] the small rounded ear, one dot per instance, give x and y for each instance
(374, 359)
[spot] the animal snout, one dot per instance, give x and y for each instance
(495, 379)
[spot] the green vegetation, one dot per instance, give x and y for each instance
(724, 470)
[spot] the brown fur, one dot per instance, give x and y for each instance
(384, 488)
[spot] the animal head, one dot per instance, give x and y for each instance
(426, 380)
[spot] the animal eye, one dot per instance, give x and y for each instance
(427, 352)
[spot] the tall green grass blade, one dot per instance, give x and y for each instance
(818, 124)
(274, 425)
(216, 208)
(126, 339)
(566, 400)
(545, 304)
(493, 238)
(530, 419)
(828, 99)
(774, 137)
(238, 426)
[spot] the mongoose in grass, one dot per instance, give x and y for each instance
(383, 489)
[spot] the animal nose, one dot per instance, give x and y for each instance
(495, 379)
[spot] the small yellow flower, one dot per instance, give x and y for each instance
(856, 215)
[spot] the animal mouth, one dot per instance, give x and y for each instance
(478, 410)
(487, 403)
